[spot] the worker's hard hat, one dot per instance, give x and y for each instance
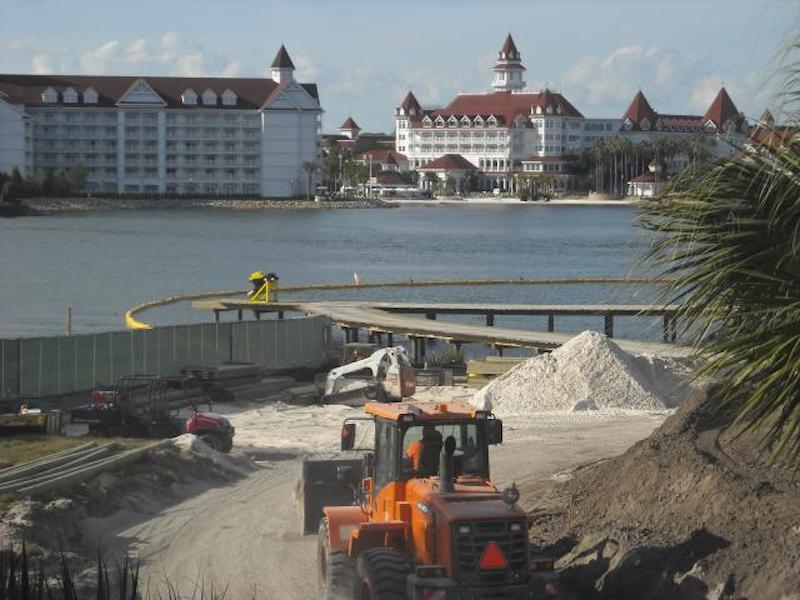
(256, 275)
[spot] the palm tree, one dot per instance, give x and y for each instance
(730, 240)
(311, 168)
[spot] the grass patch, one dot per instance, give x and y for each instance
(22, 448)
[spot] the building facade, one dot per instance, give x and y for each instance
(509, 131)
(165, 135)
(504, 132)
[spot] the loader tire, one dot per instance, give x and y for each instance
(336, 570)
(382, 575)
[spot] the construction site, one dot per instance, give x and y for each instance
(357, 439)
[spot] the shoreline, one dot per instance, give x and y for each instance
(51, 206)
(514, 202)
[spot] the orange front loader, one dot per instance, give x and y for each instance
(427, 522)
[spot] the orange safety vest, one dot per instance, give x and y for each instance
(415, 453)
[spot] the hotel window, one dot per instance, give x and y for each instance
(229, 98)
(189, 97)
(90, 96)
(50, 96)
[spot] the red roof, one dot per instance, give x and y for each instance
(409, 102)
(390, 178)
(722, 110)
(449, 162)
(506, 106)
(509, 49)
(640, 109)
(251, 93)
(649, 177)
(282, 60)
(382, 155)
(349, 124)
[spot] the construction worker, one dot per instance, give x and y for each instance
(424, 453)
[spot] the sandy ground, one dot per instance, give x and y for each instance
(244, 536)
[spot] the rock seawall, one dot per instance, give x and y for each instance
(81, 204)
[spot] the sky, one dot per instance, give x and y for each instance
(366, 54)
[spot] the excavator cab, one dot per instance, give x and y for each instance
(426, 520)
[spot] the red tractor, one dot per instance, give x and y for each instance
(145, 406)
(427, 523)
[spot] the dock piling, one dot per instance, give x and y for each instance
(609, 325)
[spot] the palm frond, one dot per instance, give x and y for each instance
(729, 239)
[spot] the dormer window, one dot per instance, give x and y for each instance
(189, 97)
(70, 96)
(538, 110)
(644, 124)
(558, 110)
(628, 124)
(491, 121)
(452, 122)
(426, 122)
(465, 121)
(709, 126)
(439, 121)
(50, 96)
(478, 121)
(229, 98)
(89, 96)
(549, 110)
(209, 98)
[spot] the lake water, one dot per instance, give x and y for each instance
(105, 262)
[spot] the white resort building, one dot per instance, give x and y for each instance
(508, 131)
(165, 135)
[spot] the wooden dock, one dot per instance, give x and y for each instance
(418, 322)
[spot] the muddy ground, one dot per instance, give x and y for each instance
(686, 513)
(234, 527)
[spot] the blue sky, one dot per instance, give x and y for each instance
(365, 54)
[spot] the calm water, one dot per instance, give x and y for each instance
(102, 263)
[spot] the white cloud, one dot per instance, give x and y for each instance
(613, 79)
(232, 69)
(138, 52)
(41, 64)
(305, 69)
(97, 61)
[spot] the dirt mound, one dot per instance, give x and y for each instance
(589, 372)
(687, 513)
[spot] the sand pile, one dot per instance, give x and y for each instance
(588, 373)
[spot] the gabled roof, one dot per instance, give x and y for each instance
(722, 110)
(390, 178)
(449, 162)
(640, 109)
(282, 60)
(349, 124)
(505, 106)
(410, 101)
(252, 93)
(382, 155)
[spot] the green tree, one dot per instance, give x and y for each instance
(311, 168)
(729, 239)
(75, 178)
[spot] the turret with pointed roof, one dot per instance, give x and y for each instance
(410, 106)
(722, 113)
(282, 67)
(508, 69)
(639, 110)
(350, 128)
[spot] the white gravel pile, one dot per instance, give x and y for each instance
(588, 373)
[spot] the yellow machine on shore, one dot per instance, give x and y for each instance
(265, 287)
